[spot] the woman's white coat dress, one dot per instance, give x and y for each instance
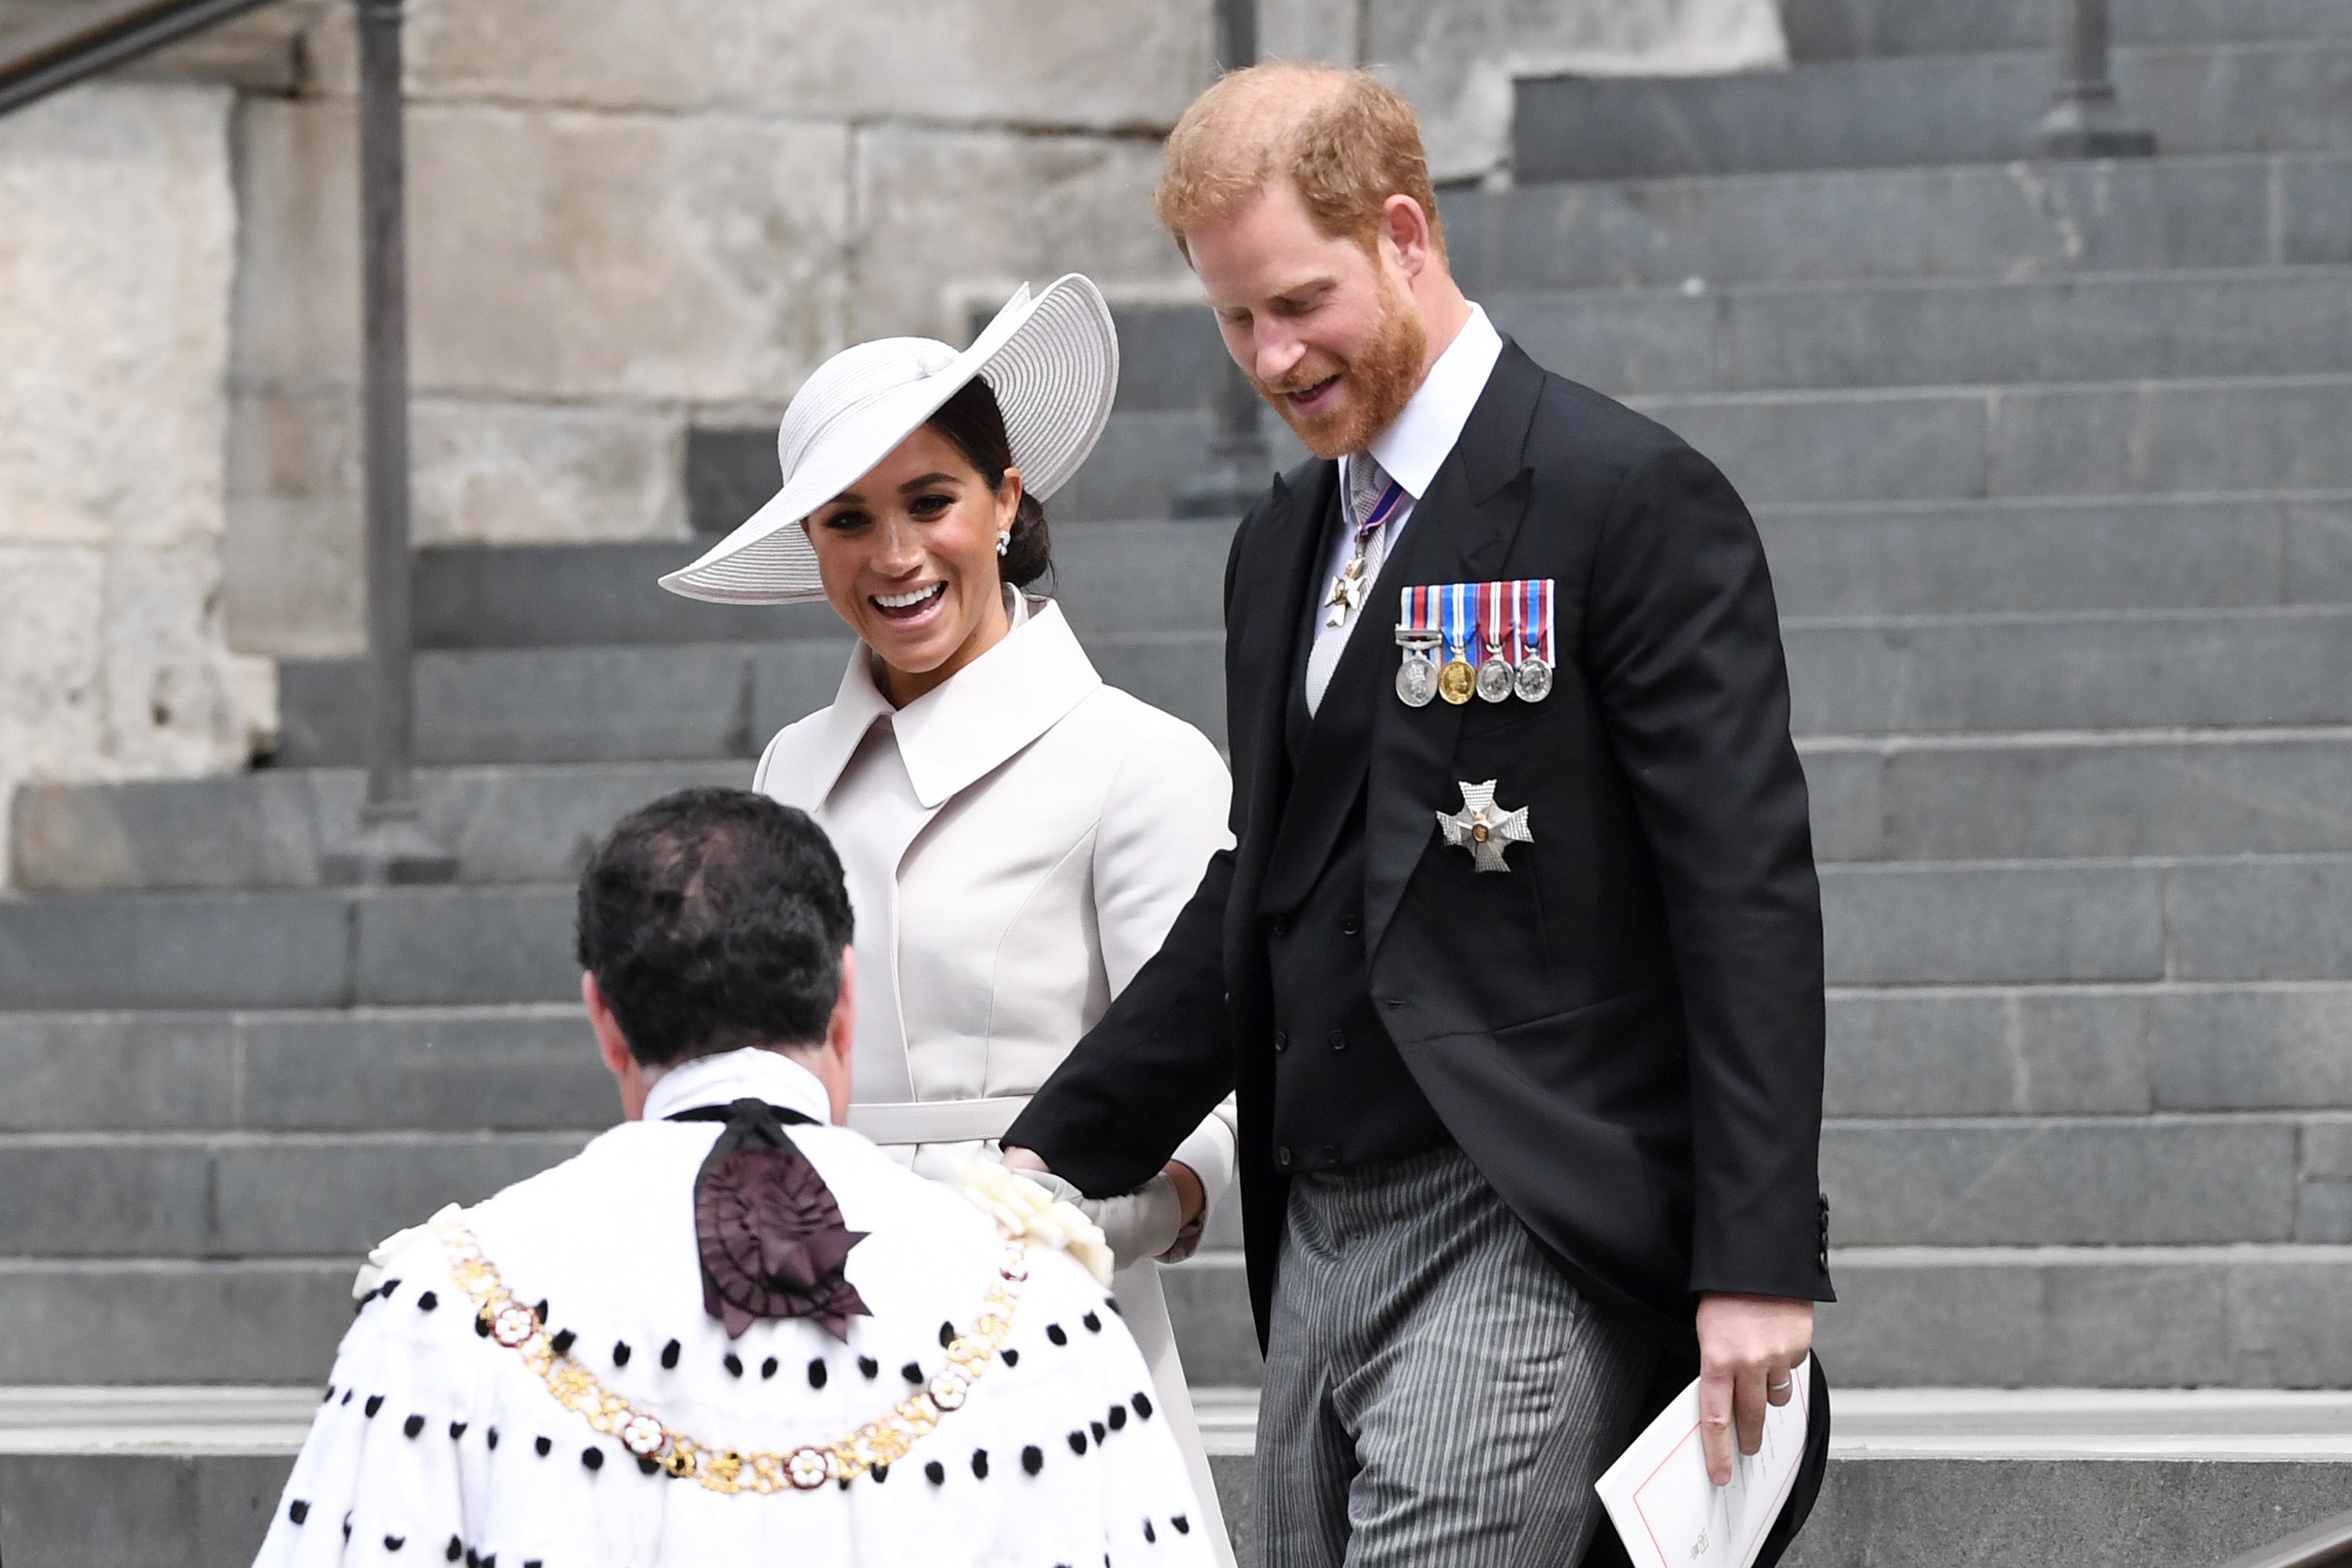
(1017, 843)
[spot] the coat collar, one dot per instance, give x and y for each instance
(970, 724)
(751, 1073)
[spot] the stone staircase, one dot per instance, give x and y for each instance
(2053, 464)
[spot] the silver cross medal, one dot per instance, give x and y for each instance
(1483, 828)
(1350, 587)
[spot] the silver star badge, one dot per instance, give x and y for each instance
(1484, 828)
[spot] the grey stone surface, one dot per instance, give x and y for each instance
(2285, 918)
(508, 824)
(2044, 1513)
(2018, 220)
(1737, 337)
(127, 1320)
(173, 950)
(69, 1071)
(1208, 1300)
(2247, 1316)
(119, 1195)
(2160, 669)
(2063, 1181)
(443, 946)
(2247, 1047)
(1840, 30)
(1973, 925)
(1977, 109)
(2059, 553)
(2091, 439)
(2036, 797)
(137, 1510)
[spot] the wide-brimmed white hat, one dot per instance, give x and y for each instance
(1052, 360)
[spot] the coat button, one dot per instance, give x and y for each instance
(1338, 1039)
(1282, 1039)
(1282, 1156)
(1279, 925)
(1351, 925)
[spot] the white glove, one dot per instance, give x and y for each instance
(1138, 1225)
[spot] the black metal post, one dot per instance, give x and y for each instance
(2086, 119)
(391, 844)
(1240, 464)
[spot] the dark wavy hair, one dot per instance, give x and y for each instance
(974, 424)
(715, 919)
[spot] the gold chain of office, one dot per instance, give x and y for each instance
(878, 1444)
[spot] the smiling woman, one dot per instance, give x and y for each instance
(1017, 837)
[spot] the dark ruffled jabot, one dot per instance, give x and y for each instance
(770, 1234)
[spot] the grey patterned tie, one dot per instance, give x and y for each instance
(1367, 483)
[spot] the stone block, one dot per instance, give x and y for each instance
(1831, 447)
(1847, 814)
(595, 595)
(519, 473)
(162, 951)
(2059, 554)
(2018, 220)
(160, 1509)
(114, 1321)
(933, 245)
(2283, 918)
(1063, 65)
(1208, 1301)
(1128, 578)
(532, 705)
(1182, 673)
(2061, 1181)
(2036, 1050)
(2214, 796)
(2253, 1047)
(117, 1195)
(790, 682)
(464, 945)
(557, 255)
(2172, 436)
(1171, 357)
(1942, 675)
(289, 1196)
(1974, 925)
(80, 1071)
(1839, 29)
(522, 1068)
(1623, 343)
(293, 583)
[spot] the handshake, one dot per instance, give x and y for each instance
(1161, 1219)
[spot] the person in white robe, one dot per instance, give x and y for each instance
(1018, 836)
(661, 1353)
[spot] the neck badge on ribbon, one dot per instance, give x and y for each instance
(1354, 582)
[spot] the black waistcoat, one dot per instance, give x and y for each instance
(1342, 1094)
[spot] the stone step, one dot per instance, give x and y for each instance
(1946, 1182)
(2034, 797)
(2113, 438)
(1916, 1478)
(1941, 332)
(695, 702)
(1847, 29)
(1108, 577)
(1909, 675)
(1906, 113)
(2222, 917)
(2060, 554)
(2124, 1049)
(1985, 221)
(2024, 795)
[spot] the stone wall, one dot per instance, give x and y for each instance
(631, 218)
(116, 251)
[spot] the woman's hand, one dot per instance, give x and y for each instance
(1149, 1222)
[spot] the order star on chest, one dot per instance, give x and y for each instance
(1483, 827)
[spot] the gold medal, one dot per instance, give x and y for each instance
(1458, 682)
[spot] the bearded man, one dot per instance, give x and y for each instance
(1516, 964)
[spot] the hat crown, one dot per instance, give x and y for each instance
(849, 381)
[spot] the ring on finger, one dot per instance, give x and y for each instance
(1782, 1386)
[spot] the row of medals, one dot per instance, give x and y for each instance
(1422, 678)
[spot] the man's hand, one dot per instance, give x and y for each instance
(1748, 1347)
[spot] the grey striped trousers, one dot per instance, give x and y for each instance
(1436, 1392)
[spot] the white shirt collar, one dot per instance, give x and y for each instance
(965, 728)
(751, 1073)
(1412, 448)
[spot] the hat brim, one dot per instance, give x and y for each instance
(1051, 362)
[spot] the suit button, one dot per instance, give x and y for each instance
(1279, 925)
(1281, 1039)
(1282, 1156)
(1350, 926)
(1338, 1039)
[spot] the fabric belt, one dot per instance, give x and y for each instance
(937, 1120)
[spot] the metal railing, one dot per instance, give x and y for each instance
(388, 843)
(2327, 1544)
(2086, 119)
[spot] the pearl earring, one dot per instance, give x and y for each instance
(1004, 542)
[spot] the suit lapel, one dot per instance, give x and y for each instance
(1482, 488)
(1275, 574)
